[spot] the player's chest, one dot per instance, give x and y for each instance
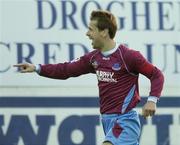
(108, 69)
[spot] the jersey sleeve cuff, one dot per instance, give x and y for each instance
(38, 68)
(152, 99)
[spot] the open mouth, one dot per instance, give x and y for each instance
(92, 43)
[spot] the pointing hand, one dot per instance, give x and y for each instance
(25, 67)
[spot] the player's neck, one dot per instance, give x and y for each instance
(108, 45)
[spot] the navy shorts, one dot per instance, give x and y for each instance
(122, 129)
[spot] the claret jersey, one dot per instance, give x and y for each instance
(117, 73)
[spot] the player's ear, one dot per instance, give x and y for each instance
(105, 33)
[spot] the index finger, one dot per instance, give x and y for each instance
(19, 65)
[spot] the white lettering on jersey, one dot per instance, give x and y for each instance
(105, 76)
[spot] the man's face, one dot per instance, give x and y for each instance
(95, 35)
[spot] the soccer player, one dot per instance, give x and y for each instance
(117, 68)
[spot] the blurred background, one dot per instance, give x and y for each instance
(39, 111)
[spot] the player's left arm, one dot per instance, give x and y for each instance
(141, 65)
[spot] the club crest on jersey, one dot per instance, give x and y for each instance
(95, 64)
(116, 66)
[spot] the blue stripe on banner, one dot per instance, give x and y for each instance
(73, 102)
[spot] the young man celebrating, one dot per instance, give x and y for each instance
(117, 69)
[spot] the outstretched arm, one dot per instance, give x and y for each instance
(61, 70)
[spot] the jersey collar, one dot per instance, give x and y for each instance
(109, 52)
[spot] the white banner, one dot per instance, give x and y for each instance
(45, 31)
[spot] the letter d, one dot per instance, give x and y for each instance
(41, 24)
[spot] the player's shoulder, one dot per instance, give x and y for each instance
(127, 51)
(92, 53)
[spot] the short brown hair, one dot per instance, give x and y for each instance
(105, 20)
